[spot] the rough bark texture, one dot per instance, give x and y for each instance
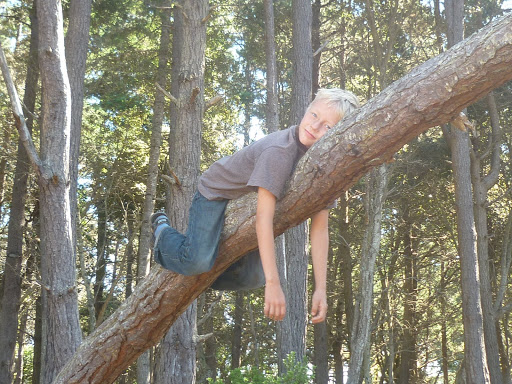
(143, 362)
(408, 356)
(61, 327)
(360, 333)
(474, 347)
(293, 267)
(77, 41)
(432, 94)
(10, 300)
(178, 350)
(482, 182)
(272, 105)
(475, 359)
(236, 340)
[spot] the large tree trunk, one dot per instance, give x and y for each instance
(178, 351)
(293, 267)
(61, 327)
(428, 96)
(11, 292)
(143, 362)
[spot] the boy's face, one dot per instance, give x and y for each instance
(319, 118)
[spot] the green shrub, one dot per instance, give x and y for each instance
(296, 373)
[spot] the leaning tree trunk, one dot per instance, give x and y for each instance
(61, 327)
(11, 292)
(293, 267)
(428, 96)
(177, 357)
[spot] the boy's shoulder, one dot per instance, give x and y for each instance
(282, 141)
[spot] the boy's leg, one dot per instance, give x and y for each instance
(246, 273)
(195, 251)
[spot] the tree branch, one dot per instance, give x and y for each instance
(213, 101)
(19, 118)
(169, 96)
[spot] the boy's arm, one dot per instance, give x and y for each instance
(275, 304)
(319, 248)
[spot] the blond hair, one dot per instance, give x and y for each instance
(341, 100)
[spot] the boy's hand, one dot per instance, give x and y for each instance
(318, 306)
(275, 303)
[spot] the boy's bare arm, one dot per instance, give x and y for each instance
(319, 249)
(275, 304)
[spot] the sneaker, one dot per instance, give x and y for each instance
(157, 219)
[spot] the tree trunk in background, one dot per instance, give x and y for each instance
(408, 371)
(11, 291)
(38, 343)
(360, 335)
(315, 45)
(76, 43)
(320, 333)
(342, 328)
(272, 105)
(321, 353)
(363, 140)
(206, 327)
(483, 181)
(143, 362)
(129, 252)
(236, 343)
(474, 345)
(3, 166)
(178, 351)
(101, 247)
(475, 359)
(444, 333)
(61, 326)
(293, 268)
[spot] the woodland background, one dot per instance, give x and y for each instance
(250, 68)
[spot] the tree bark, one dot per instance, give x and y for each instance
(272, 105)
(189, 41)
(61, 326)
(408, 357)
(482, 182)
(360, 333)
(76, 43)
(475, 359)
(236, 342)
(293, 267)
(143, 256)
(11, 291)
(428, 96)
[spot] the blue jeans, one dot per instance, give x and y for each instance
(195, 251)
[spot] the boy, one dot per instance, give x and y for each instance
(264, 166)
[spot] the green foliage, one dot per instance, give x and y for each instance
(296, 373)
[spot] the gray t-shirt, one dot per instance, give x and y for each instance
(267, 163)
